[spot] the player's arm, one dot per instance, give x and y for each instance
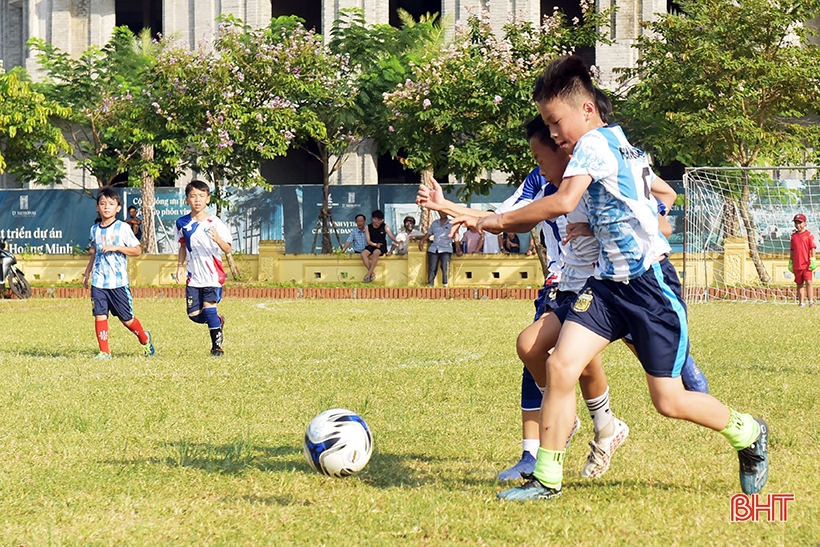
(433, 198)
(665, 193)
(93, 253)
(664, 226)
(183, 253)
(524, 219)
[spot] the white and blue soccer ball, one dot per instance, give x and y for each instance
(338, 443)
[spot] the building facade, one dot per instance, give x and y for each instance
(74, 25)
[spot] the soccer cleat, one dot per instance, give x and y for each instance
(531, 490)
(522, 470)
(148, 346)
(575, 427)
(103, 355)
(754, 462)
(602, 450)
(217, 351)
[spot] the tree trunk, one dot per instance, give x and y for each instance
(541, 252)
(324, 213)
(149, 205)
(750, 232)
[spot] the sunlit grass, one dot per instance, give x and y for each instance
(185, 449)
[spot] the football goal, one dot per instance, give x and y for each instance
(737, 230)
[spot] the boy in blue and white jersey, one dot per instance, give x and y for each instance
(203, 238)
(111, 243)
(634, 290)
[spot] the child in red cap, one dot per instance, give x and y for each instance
(801, 260)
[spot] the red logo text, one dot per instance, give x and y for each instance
(771, 508)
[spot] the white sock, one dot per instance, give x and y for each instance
(531, 446)
(599, 411)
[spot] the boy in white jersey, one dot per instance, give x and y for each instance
(112, 242)
(633, 290)
(203, 238)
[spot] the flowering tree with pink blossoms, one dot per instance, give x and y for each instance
(462, 112)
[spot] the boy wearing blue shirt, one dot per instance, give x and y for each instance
(111, 243)
(634, 290)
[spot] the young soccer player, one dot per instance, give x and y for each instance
(801, 260)
(634, 290)
(203, 238)
(112, 242)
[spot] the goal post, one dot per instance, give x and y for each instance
(737, 230)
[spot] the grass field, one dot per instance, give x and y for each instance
(185, 449)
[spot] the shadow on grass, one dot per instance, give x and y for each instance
(383, 471)
(53, 353)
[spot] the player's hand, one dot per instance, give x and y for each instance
(430, 197)
(490, 223)
(468, 221)
(577, 229)
(85, 281)
(791, 266)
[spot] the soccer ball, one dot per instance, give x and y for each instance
(338, 443)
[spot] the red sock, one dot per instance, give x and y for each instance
(136, 328)
(102, 334)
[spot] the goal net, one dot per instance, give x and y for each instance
(737, 230)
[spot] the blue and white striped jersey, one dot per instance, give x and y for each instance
(622, 213)
(110, 270)
(552, 231)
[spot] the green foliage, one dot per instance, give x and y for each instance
(29, 143)
(727, 83)
(462, 112)
(107, 123)
(183, 449)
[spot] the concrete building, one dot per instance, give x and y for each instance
(74, 25)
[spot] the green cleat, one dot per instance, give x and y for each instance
(754, 462)
(531, 490)
(148, 346)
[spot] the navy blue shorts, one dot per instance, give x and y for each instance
(649, 308)
(565, 300)
(117, 301)
(196, 296)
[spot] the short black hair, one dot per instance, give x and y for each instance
(603, 104)
(378, 214)
(536, 128)
(411, 219)
(110, 193)
(360, 215)
(197, 185)
(567, 78)
(132, 207)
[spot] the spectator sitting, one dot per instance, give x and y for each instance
(358, 236)
(377, 234)
(405, 236)
(510, 243)
(135, 222)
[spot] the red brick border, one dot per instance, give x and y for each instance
(318, 293)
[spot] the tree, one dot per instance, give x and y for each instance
(30, 145)
(462, 112)
(728, 83)
(108, 122)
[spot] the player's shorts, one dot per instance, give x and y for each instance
(649, 308)
(196, 296)
(802, 276)
(116, 301)
(564, 300)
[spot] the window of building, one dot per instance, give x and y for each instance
(309, 10)
(416, 8)
(392, 171)
(572, 9)
(139, 14)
